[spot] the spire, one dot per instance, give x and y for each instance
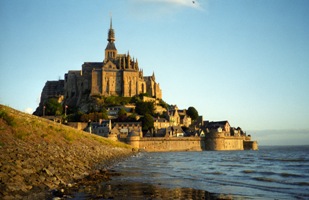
(111, 32)
(153, 76)
(110, 50)
(128, 60)
(136, 63)
(111, 23)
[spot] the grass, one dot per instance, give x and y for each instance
(6, 117)
(28, 127)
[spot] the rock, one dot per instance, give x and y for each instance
(47, 172)
(41, 178)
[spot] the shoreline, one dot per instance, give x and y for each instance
(38, 155)
(102, 185)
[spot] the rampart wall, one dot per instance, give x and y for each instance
(224, 143)
(157, 144)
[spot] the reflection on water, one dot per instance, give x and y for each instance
(114, 190)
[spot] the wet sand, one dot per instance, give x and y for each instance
(101, 185)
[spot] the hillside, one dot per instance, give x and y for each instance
(37, 155)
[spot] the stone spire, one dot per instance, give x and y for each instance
(110, 50)
(111, 32)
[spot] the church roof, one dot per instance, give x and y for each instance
(217, 124)
(110, 46)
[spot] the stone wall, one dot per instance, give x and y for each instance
(222, 143)
(156, 144)
(251, 145)
(78, 125)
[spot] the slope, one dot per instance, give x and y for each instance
(37, 155)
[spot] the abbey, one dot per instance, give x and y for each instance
(81, 92)
(117, 75)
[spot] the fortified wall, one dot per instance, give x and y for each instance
(159, 144)
(215, 142)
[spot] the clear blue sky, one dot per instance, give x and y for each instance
(243, 61)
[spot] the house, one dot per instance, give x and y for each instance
(120, 129)
(160, 123)
(113, 111)
(218, 125)
(174, 131)
(173, 116)
(185, 120)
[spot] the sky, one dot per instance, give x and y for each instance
(242, 61)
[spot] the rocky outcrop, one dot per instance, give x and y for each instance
(52, 89)
(37, 155)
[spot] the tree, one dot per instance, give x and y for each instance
(122, 114)
(147, 123)
(163, 104)
(94, 116)
(104, 114)
(143, 108)
(116, 101)
(74, 117)
(192, 112)
(53, 107)
(132, 118)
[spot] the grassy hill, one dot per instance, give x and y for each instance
(37, 154)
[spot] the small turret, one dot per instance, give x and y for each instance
(128, 60)
(136, 64)
(153, 76)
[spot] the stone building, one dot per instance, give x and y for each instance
(116, 75)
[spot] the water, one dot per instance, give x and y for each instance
(270, 173)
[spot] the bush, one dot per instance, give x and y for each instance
(144, 108)
(53, 107)
(7, 118)
(94, 117)
(163, 104)
(192, 112)
(147, 123)
(116, 101)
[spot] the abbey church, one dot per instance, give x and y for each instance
(119, 74)
(116, 75)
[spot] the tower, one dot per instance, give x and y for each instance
(110, 50)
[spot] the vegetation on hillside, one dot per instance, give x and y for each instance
(25, 126)
(38, 155)
(53, 107)
(147, 123)
(192, 112)
(6, 117)
(98, 105)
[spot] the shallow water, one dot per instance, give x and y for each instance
(270, 173)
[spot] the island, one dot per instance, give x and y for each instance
(114, 99)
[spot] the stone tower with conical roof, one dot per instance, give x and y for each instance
(110, 50)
